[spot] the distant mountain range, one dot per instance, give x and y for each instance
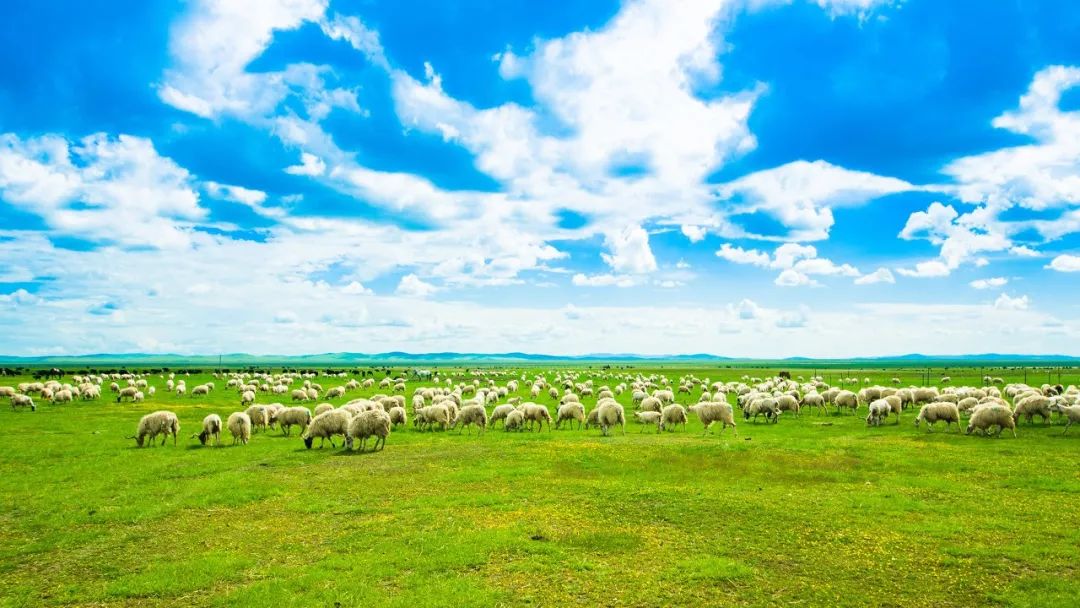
(352, 359)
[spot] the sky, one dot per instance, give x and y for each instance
(751, 178)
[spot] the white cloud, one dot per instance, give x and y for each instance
(801, 195)
(682, 264)
(694, 233)
(604, 280)
(1065, 263)
(356, 288)
(102, 188)
(860, 8)
(928, 269)
(411, 286)
(1004, 302)
(794, 278)
(630, 251)
(989, 283)
(1024, 251)
(881, 275)
(310, 165)
(743, 256)
(787, 254)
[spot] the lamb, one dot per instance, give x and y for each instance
(374, 423)
(571, 412)
(162, 422)
(474, 415)
(712, 411)
(938, 411)
(536, 413)
(325, 426)
(649, 418)
(609, 414)
(211, 427)
(260, 417)
(984, 418)
(23, 401)
(879, 410)
(297, 415)
(398, 416)
(499, 413)
(514, 421)
(672, 416)
(239, 425)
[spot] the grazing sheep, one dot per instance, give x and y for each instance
(323, 407)
(815, 400)
(471, 415)
(672, 416)
(373, 423)
(23, 401)
(334, 393)
(514, 421)
(201, 390)
(787, 403)
(570, 411)
(938, 411)
(879, 410)
(239, 425)
(609, 414)
(432, 415)
(211, 428)
(63, 396)
(398, 416)
(534, 413)
(162, 422)
(299, 395)
(246, 398)
(846, 399)
(765, 406)
(651, 404)
(649, 418)
(499, 413)
(128, 391)
(712, 411)
(326, 425)
(984, 418)
(260, 417)
(297, 415)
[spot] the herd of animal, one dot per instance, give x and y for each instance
(481, 399)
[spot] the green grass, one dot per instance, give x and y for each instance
(797, 513)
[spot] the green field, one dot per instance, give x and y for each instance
(814, 511)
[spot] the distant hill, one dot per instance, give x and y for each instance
(397, 357)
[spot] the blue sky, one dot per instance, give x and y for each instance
(742, 177)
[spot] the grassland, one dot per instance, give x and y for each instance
(811, 511)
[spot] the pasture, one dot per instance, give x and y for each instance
(814, 510)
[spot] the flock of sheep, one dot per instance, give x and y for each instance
(478, 400)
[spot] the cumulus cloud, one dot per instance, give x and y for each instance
(604, 280)
(1065, 263)
(989, 283)
(310, 165)
(356, 288)
(794, 278)
(797, 262)
(411, 286)
(881, 275)
(927, 269)
(694, 233)
(1004, 302)
(743, 256)
(630, 251)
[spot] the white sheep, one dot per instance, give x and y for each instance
(758, 407)
(570, 412)
(162, 422)
(536, 413)
(983, 418)
(514, 421)
(23, 401)
(323, 407)
(1071, 413)
(938, 411)
(260, 417)
(710, 412)
(239, 425)
(879, 410)
(398, 416)
(431, 415)
(211, 428)
(672, 416)
(297, 415)
(373, 423)
(648, 418)
(499, 413)
(608, 414)
(471, 415)
(326, 425)
(1034, 405)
